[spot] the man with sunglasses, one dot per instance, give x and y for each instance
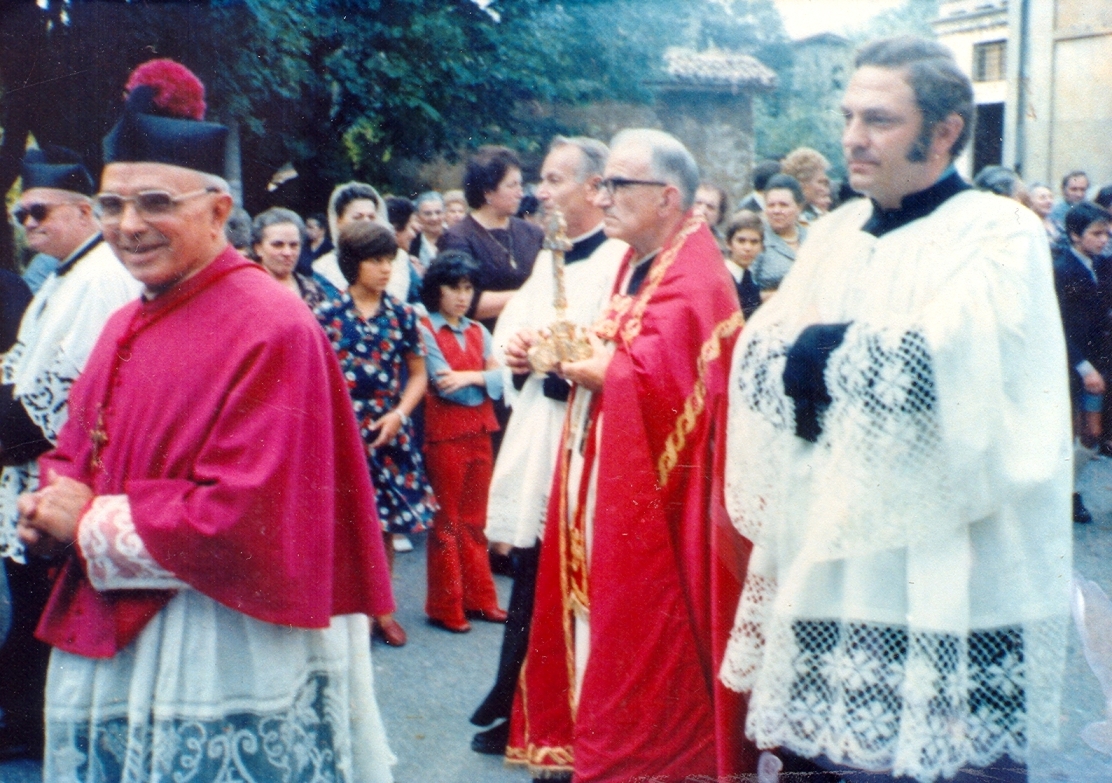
(208, 500)
(55, 338)
(619, 682)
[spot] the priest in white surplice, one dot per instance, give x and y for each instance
(899, 453)
(526, 461)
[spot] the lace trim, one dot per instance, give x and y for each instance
(14, 481)
(45, 396)
(115, 556)
(920, 704)
(305, 742)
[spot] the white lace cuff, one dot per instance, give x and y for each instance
(115, 556)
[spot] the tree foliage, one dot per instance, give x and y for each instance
(367, 88)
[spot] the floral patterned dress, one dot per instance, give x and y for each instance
(372, 353)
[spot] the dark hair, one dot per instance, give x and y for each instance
(785, 182)
(398, 211)
(530, 205)
(354, 191)
(448, 268)
(1083, 215)
(485, 170)
(997, 179)
(940, 88)
(1104, 196)
(320, 219)
(1075, 173)
(360, 241)
(762, 172)
(275, 216)
(744, 220)
(723, 199)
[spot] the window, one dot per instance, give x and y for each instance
(988, 61)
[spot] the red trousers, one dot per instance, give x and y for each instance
(459, 577)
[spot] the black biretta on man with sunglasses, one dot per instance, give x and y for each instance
(55, 336)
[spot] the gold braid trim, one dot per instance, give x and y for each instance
(696, 401)
(541, 762)
(608, 327)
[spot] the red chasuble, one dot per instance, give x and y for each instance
(220, 410)
(666, 566)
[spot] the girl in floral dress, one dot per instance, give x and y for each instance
(376, 340)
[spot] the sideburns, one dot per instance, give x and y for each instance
(921, 148)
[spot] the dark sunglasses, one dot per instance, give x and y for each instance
(38, 211)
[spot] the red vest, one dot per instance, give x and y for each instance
(447, 420)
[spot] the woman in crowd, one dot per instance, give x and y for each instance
(455, 207)
(354, 202)
(809, 168)
(403, 217)
(1042, 202)
(375, 337)
(712, 203)
(459, 418)
(277, 236)
(504, 246)
(783, 235)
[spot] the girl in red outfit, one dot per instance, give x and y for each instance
(459, 417)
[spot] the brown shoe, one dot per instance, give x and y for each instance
(494, 615)
(390, 631)
(455, 626)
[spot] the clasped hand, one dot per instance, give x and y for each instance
(48, 518)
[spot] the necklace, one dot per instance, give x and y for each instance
(508, 247)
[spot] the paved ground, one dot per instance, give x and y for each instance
(428, 689)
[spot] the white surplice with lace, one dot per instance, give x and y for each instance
(906, 601)
(208, 694)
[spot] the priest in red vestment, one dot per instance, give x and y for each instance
(219, 547)
(639, 572)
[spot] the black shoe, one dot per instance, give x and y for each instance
(1081, 515)
(492, 742)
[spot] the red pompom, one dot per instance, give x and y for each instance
(178, 92)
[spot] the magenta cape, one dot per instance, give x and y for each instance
(666, 566)
(230, 430)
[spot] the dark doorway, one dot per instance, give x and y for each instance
(988, 136)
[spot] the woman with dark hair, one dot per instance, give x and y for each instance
(376, 340)
(784, 202)
(459, 418)
(503, 245)
(277, 237)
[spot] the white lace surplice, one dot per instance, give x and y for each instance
(57, 333)
(206, 693)
(906, 599)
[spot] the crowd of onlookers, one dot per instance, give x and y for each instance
(494, 221)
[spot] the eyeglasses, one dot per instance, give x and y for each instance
(37, 210)
(148, 203)
(611, 184)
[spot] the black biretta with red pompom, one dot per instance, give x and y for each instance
(163, 122)
(56, 167)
